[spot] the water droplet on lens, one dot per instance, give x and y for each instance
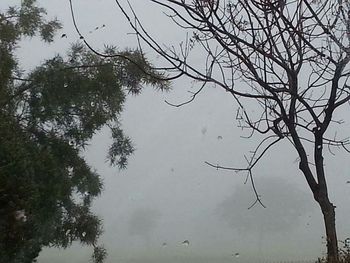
(20, 215)
(347, 242)
(219, 137)
(237, 255)
(186, 243)
(65, 85)
(70, 170)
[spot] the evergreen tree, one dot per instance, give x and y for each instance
(47, 117)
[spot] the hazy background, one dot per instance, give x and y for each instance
(167, 194)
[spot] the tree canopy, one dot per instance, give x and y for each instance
(47, 117)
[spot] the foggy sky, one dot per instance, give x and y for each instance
(167, 194)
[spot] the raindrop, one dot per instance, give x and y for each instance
(70, 170)
(219, 137)
(65, 85)
(186, 243)
(64, 35)
(237, 255)
(67, 232)
(347, 242)
(92, 104)
(164, 244)
(319, 146)
(348, 182)
(103, 25)
(71, 142)
(21, 215)
(81, 37)
(204, 130)
(26, 93)
(83, 234)
(172, 170)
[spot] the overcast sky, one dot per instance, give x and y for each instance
(167, 194)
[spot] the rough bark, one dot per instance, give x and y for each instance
(321, 196)
(328, 211)
(319, 189)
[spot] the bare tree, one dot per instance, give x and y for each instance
(291, 57)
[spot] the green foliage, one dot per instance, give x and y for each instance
(46, 119)
(121, 147)
(29, 21)
(99, 254)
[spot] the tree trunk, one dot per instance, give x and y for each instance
(321, 196)
(328, 211)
